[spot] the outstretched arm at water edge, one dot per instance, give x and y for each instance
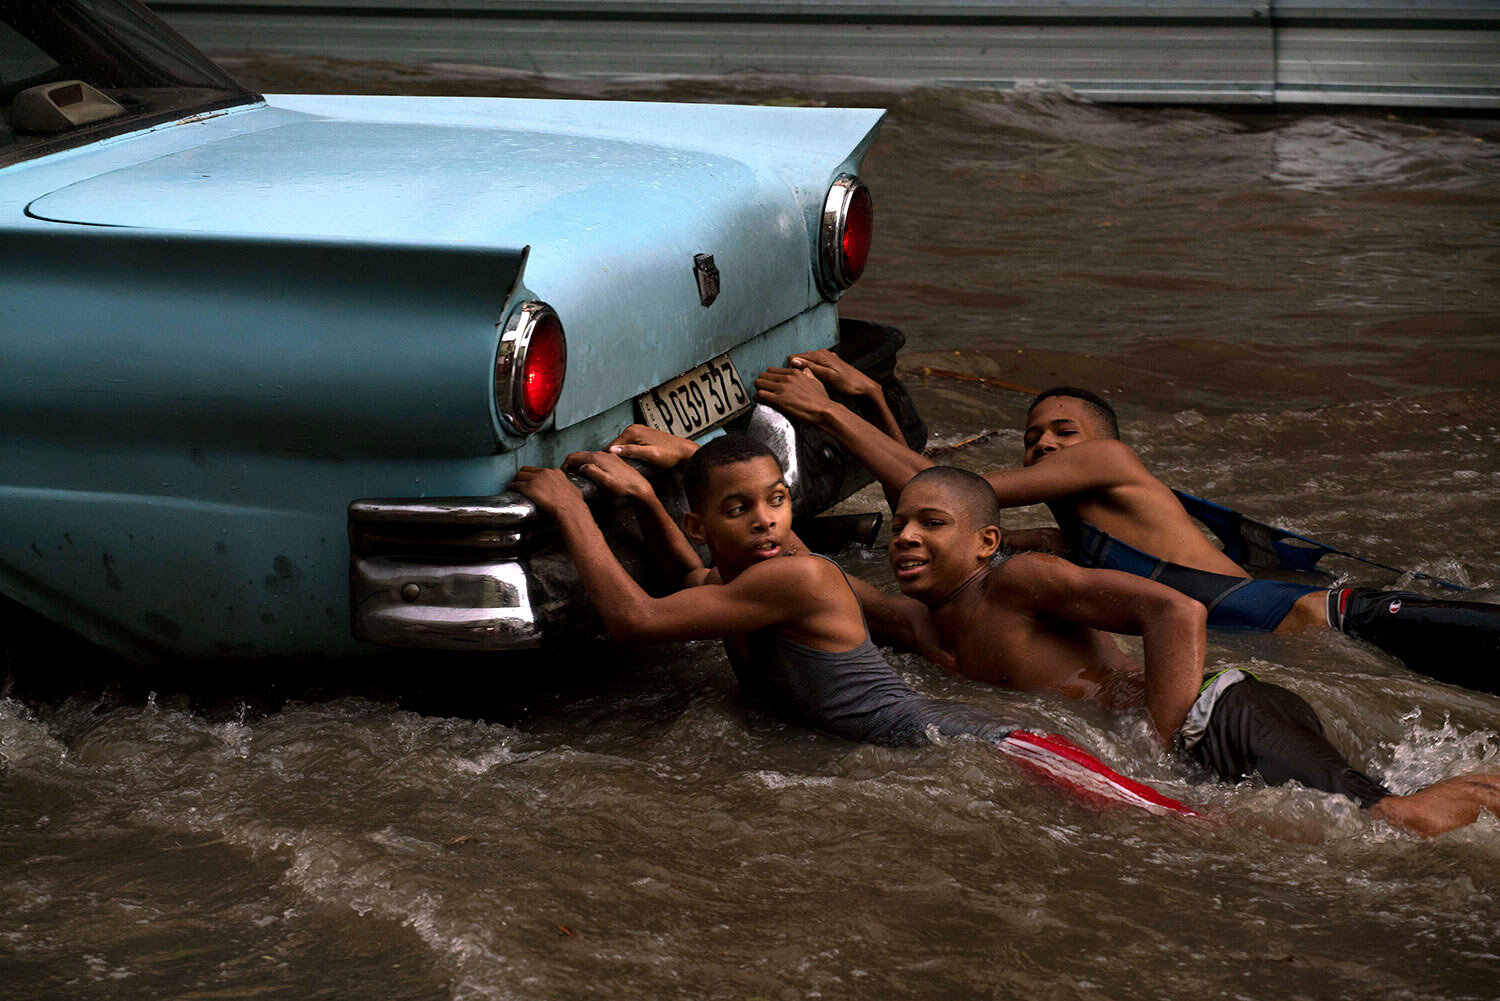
(1173, 627)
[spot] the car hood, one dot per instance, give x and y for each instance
(613, 199)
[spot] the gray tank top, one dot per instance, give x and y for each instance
(855, 694)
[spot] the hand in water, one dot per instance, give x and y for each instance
(796, 392)
(611, 472)
(652, 446)
(549, 489)
(835, 373)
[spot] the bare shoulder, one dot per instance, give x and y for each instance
(792, 571)
(1030, 578)
(1110, 453)
(1024, 566)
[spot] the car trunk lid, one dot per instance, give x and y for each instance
(615, 200)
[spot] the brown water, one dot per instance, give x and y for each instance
(1296, 314)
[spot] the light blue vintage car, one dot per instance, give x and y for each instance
(268, 363)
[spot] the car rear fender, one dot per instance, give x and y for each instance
(249, 344)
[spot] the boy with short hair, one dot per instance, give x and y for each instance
(790, 622)
(1031, 621)
(1114, 514)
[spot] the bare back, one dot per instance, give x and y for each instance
(1074, 462)
(1138, 509)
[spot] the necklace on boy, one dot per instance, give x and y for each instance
(968, 581)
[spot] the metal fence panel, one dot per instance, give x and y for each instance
(1381, 52)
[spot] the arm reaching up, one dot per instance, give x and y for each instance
(799, 394)
(767, 594)
(664, 451)
(663, 538)
(839, 375)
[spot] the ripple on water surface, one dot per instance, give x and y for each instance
(712, 851)
(1295, 314)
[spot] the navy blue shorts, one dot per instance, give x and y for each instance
(1235, 604)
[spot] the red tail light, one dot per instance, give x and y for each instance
(530, 367)
(848, 227)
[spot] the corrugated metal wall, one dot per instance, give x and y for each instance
(1383, 52)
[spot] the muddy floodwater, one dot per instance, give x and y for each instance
(1295, 314)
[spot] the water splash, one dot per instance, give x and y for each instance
(1426, 754)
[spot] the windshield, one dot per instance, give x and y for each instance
(73, 71)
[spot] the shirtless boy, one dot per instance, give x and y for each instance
(1114, 514)
(790, 622)
(1031, 621)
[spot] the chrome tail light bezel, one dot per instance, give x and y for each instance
(841, 195)
(510, 366)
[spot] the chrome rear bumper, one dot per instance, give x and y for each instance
(487, 573)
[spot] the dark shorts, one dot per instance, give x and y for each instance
(1254, 604)
(1235, 604)
(1260, 728)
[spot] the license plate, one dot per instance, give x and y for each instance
(696, 401)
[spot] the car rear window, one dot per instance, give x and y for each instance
(20, 60)
(74, 71)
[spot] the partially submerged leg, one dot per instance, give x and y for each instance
(1268, 729)
(1442, 806)
(1062, 763)
(1453, 641)
(1310, 613)
(1049, 756)
(1255, 727)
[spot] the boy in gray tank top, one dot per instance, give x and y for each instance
(791, 621)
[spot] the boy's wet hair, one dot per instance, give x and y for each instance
(972, 493)
(725, 450)
(1100, 407)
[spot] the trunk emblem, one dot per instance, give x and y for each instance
(708, 278)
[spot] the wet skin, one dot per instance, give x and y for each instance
(1031, 623)
(1038, 622)
(997, 625)
(1065, 449)
(934, 557)
(746, 516)
(1070, 464)
(744, 519)
(1124, 500)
